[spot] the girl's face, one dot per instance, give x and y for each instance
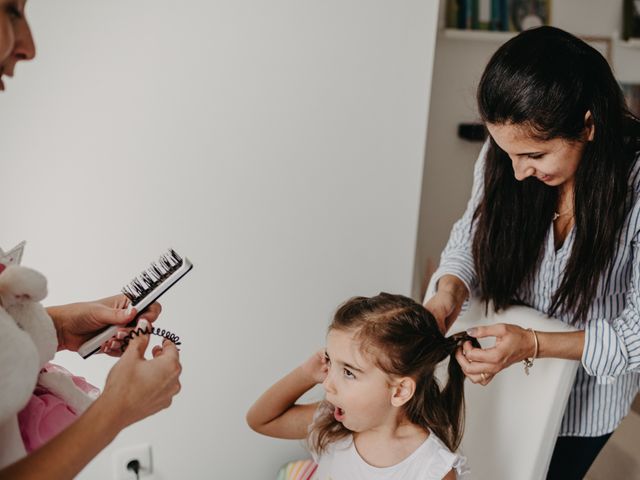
(16, 43)
(359, 391)
(553, 162)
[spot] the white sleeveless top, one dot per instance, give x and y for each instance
(430, 461)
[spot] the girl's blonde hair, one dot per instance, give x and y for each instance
(403, 339)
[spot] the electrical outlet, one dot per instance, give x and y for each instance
(122, 457)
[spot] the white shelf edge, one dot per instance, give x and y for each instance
(481, 35)
(631, 43)
(496, 36)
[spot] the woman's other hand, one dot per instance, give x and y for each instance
(447, 302)
(137, 387)
(444, 309)
(76, 323)
(513, 344)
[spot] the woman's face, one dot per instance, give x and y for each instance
(553, 162)
(16, 43)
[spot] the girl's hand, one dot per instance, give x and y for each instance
(316, 367)
(137, 387)
(78, 322)
(513, 344)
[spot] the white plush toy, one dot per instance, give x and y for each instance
(28, 341)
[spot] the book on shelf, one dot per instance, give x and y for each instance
(632, 96)
(631, 19)
(497, 15)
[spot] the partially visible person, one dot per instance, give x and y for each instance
(156, 380)
(385, 416)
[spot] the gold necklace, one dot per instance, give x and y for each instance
(557, 215)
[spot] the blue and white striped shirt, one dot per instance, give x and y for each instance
(610, 378)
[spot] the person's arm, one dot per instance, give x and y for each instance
(156, 382)
(456, 276)
(612, 347)
(70, 451)
(514, 344)
(75, 323)
(447, 302)
(606, 348)
(276, 414)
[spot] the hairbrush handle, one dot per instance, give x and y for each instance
(143, 291)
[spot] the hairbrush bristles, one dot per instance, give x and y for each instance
(142, 291)
(158, 271)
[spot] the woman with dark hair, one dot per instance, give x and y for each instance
(553, 223)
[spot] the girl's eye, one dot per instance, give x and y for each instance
(348, 373)
(327, 360)
(536, 156)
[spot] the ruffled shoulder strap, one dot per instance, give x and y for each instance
(443, 460)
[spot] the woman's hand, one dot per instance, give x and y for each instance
(513, 344)
(445, 305)
(316, 367)
(76, 323)
(445, 308)
(137, 387)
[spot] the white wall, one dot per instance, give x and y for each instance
(457, 70)
(277, 144)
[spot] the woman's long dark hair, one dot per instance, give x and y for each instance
(404, 340)
(546, 80)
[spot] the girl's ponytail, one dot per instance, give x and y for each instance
(453, 391)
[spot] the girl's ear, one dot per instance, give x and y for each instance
(589, 126)
(402, 391)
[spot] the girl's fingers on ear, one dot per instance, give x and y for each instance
(155, 351)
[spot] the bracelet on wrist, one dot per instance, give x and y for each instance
(528, 362)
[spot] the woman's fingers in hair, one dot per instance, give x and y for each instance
(471, 368)
(495, 330)
(475, 372)
(483, 355)
(474, 354)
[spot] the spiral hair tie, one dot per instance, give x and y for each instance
(175, 339)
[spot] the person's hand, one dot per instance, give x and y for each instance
(78, 322)
(137, 387)
(316, 367)
(513, 344)
(445, 308)
(447, 302)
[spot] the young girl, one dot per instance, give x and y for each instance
(385, 415)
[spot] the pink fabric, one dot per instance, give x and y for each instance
(46, 414)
